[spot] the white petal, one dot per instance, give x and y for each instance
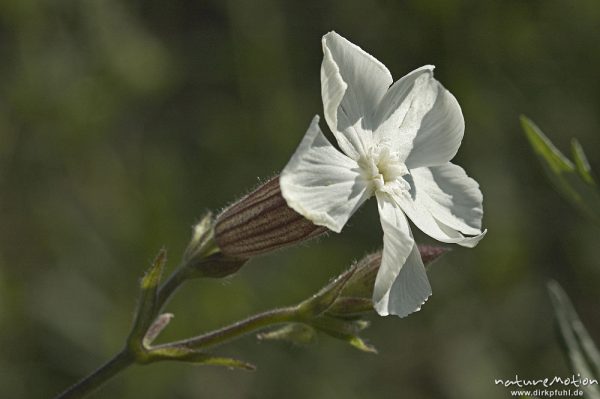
(440, 133)
(401, 286)
(352, 84)
(321, 183)
(402, 109)
(424, 213)
(411, 289)
(452, 197)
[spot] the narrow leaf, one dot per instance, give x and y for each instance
(229, 363)
(545, 149)
(184, 354)
(573, 180)
(581, 162)
(151, 279)
(361, 345)
(146, 309)
(581, 350)
(345, 330)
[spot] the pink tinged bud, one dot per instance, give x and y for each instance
(429, 253)
(261, 222)
(355, 297)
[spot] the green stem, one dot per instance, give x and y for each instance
(96, 379)
(170, 286)
(124, 358)
(238, 329)
(131, 353)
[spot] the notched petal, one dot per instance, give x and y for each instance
(410, 290)
(401, 286)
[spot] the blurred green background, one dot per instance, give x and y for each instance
(121, 123)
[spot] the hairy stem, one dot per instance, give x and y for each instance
(125, 358)
(170, 286)
(238, 329)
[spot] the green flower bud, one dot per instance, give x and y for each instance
(355, 297)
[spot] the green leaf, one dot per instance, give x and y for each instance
(188, 355)
(573, 180)
(146, 309)
(229, 363)
(361, 345)
(581, 350)
(345, 330)
(151, 279)
(581, 162)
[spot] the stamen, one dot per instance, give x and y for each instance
(384, 170)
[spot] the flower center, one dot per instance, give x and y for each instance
(384, 170)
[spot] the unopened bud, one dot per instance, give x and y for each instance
(326, 297)
(261, 222)
(429, 253)
(355, 297)
(362, 281)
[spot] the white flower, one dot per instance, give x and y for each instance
(396, 141)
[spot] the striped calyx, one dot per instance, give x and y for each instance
(261, 222)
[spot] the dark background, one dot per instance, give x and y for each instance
(122, 123)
